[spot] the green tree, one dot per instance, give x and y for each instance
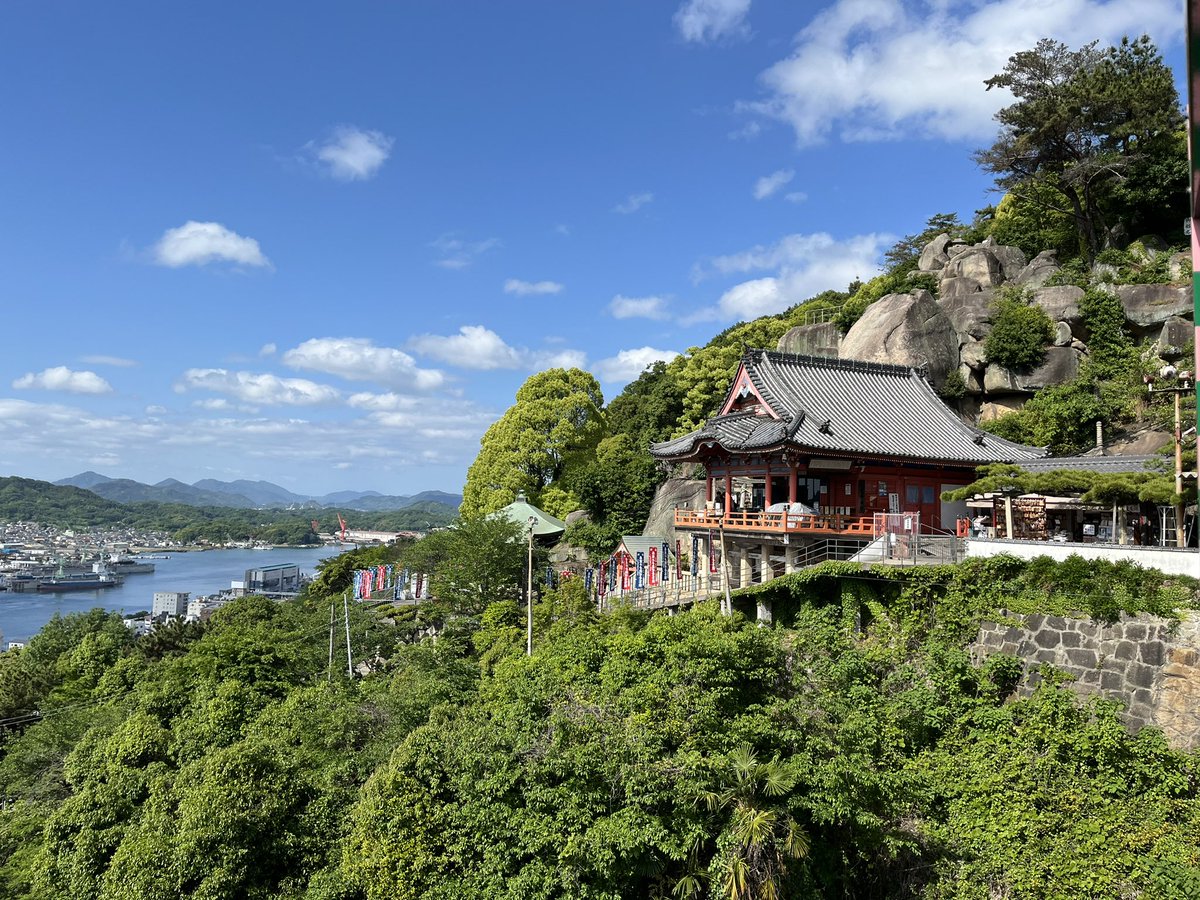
(1081, 120)
(1020, 332)
(473, 563)
(557, 417)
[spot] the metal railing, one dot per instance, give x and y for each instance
(776, 522)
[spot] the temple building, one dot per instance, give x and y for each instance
(808, 450)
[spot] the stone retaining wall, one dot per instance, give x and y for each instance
(1150, 665)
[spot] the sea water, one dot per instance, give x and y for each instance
(205, 572)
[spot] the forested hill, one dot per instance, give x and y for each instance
(28, 500)
(852, 750)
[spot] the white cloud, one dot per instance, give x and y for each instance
(60, 378)
(352, 154)
(802, 265)
(703, 21)
(389, 402)
(199, 243)
(480, 348)
(623, 307)
(155, 410)
(526, 288)
(629, 364)
(474, 347)
(558, 359)
(359, 359)
(795, 197)
(267, 350)
(770, 184)
(117, 361)
(259, 387)
(457, 253)
(633, 203)
(880, 69)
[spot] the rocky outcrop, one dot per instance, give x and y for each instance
(978, 264)
(1061, 304)
(672, 494)
(1039, 270)
(1153, 304)
(812, 340)
(905, 329)
(969, 314)
(1173, 338)
(1060, 365)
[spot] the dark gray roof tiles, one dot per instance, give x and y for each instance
(1100, 464)
(848, 407)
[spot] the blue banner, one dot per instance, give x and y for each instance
(639, 572)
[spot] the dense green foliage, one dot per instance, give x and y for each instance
(1020, 332)
(558, 418)
(852, 751)
(1093, 135)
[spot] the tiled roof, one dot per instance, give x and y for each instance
(847, 407)
(1099, 464)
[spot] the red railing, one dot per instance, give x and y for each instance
(776, 522)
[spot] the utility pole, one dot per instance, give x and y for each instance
(329, 668)
(346, 613)
(1177, 383)
(727, 604)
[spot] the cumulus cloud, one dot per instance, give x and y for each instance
(267, 349)
(770, 184)
(352, 154)
(200, 243)
(474, 347)
(117, 361)
(801, 266)
(633, 203)
(623, 307)
(359, 359)
(527, 288)
(60, 378)
(704, 21)
(480, 348)
(629, 364)
(457, 253)
(259, 387)
(881, 69)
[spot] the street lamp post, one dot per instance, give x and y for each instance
(1176, 383)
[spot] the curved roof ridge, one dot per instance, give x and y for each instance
(830, 362)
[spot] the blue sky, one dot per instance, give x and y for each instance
(324, 244)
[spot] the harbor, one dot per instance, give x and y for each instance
(23, 613)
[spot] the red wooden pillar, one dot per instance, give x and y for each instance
(792, 486)
(728, 494)
(708, 494)
(767, 489)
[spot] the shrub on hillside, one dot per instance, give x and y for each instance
(1020, 332)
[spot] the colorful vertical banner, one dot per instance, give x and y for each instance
(653, 566)
(612, 574)
(603, 577)
(678, 559)
(695, 555)
(624, 571)
(588, 579)
(665, 562)
(639, 575)
(712, 555)
(420, 585)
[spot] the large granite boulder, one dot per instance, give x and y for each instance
(1061, 304)
(999, 380)
(1012, 259)
(1038, 270)
(672, 494)
(972, 380)
(969, 314)
(1062, 334)
(978, 263)
(999, 406)
(1173, 337)
(1060, 365)
(934, 255)
(905, 329)
(1153, 304)
(1179, 267)
(812, 340)
(973, 355)
(958, 287)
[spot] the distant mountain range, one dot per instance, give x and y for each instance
(244, 494)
